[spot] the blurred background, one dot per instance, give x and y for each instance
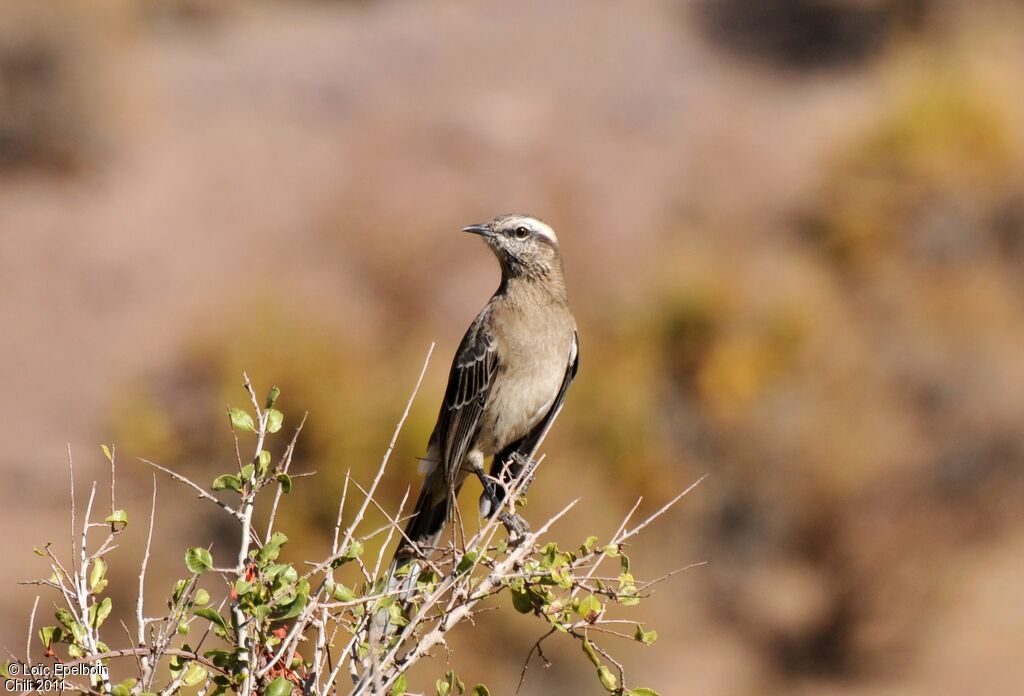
(794, 238)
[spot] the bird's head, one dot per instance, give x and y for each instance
(525, 246)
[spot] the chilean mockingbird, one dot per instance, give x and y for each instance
(507, 380)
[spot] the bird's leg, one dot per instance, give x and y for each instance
(485, 481)
(524, 469)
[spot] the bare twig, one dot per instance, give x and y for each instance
(387, 454)
(113, 455)
(197, 488)
(661, 511)
(140, 634)
(286, 463)
(71, 476)
(31, 626)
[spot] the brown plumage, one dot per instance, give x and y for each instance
(507, 380)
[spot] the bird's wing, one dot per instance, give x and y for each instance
(469, 384)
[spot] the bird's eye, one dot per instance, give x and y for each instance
(522, 232)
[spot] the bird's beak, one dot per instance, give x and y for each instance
(482, 230)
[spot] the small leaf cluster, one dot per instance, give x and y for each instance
(558, 586)
(77, 630)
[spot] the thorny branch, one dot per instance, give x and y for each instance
(302, 631)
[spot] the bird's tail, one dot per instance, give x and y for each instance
(422, 531)
(433, 508)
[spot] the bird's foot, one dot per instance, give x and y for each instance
(490, 494)
(516, 526)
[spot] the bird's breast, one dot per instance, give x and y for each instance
(532, 368)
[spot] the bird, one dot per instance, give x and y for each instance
(507, 381)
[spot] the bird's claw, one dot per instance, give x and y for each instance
(516, 526)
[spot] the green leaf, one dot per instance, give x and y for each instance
(562, 577)
(220, 658)
(589, 608)
(179, 591)
(343, 594)
(177, 664)
(182, 628)
(627, 595)
(221, 684)
(65, 618)
(466, 563)
(427, 580)
(97, 580)
(214, 617)
(611, 550)
(274, 420)
(588, 545)
(608, 680)
(121, 690)
(117, 517)
(642, 691)
(78, 633)
(645, 637)
(202, 597)
(98, 613)
(354, 551)
(225, 481)
(521, 600)
(451, 684)
(396, 615)
(272, 396)
(282, 575)
(242, 420)
(286, 482)
(401, 684)
(624, 560)
(198, 560)
(279, 687)
(246, 473)
(481, 690)
(263, 463)
(295, 607)
(272, 549)
(588, 650)
(107, 453)
(75, 651)
(49, 635)
(194, 675)
(549, 555)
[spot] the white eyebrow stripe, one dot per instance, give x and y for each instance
(544, 231)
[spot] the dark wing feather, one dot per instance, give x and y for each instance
(469, 385)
